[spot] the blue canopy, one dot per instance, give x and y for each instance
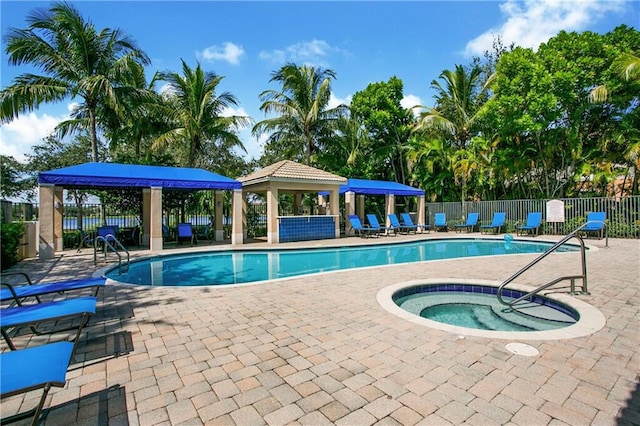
(133, 175)
(378, 187)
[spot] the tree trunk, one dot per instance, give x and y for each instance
(94, 135)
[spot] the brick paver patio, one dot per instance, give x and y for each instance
(320, 350)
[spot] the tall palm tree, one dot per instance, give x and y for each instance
(195, 114)
(304, 119)
(457, 107)
(627, 66)
(78, 62)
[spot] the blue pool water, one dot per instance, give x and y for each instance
(249, 266)
(476, 306)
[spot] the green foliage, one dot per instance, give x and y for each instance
(10, 235)
(12, 181)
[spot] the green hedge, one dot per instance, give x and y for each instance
(10, 235)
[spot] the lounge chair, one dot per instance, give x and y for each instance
(596, 223)
(393, 218)
(408, 222)
(532, 226)
(440, 222)
(359, 228)
(85, 240)
(185, 232)
(496, 224)
(469, 225)
(32, 315)
(109, 233)
(38, 367)
(21, 292)
(374, 224)
(205, 233)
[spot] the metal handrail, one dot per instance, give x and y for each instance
(583, 276)
(109, 245)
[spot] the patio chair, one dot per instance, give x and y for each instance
(532, 226)
(167, 236)
(496, 224)
(39, 367)
(132, 237)
(596, 223)
(33, 315)
(185, 232)
(20, 292)
(469, 225)
(85, 240)
(407, 221)
(205, 233)
(393, 218)
(359, 228)
(374, 224)
(440, 221)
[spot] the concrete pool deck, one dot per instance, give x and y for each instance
(321, 350)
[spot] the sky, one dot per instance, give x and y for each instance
(363, 42)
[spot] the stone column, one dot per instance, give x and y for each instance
(219, 214)
(237, 224)
(389, 206)
(335, 210)
(58, 208)
(146, 217)
(46, 244)
(361, 206)
(155, 220)
(272, 215)
(421, 213)
(349, 209)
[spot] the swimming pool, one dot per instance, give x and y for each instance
(251, 266)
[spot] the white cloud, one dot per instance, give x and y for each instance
(531, 22)
(334, 101)
(312, 52)
(410, 102)
(20, 135)
(228, 52)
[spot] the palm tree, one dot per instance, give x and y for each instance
(195, 114)
(304, 120)
(626, 66)
(456, 111)
(77, 61)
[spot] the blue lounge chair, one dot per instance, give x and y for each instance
(205, 233)
(496, 224)
(374, 224)
(440, 221)
(596, 223)
(21, 292)
(470, 224)
(109, 233)
(185, 232)
(393, 218)
(86, 240)
(359, 228)
(39, 367)
(408, 222)
(534, 221)
(32, 315)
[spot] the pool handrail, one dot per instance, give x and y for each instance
(105, 240)
(583, 276)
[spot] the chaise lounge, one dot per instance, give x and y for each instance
(532, 226)
(21, 292)
(470, 224)
(496, 224)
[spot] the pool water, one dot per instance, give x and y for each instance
(250, 266)
(478, 307)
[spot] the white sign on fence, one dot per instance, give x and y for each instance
(555, 211)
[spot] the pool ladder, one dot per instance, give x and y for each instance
(107, 245)
(572, 278)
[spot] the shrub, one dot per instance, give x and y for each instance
(10, 235)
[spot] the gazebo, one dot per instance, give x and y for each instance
(150, 179)
(290, 177)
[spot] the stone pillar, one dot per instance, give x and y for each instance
(219, 214)
(58, 208)
(361, 206)
(421, 213)
(335, 210)
(349, 209)
(146, 217)
(46, 244)
(155, 220)
(237, 224)
(389, 207)
(272, 216)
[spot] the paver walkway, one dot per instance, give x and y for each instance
(320, 350)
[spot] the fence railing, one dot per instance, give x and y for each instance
(623, 214)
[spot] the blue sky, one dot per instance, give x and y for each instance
(362, 41)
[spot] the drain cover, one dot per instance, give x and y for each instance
(522, 349)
